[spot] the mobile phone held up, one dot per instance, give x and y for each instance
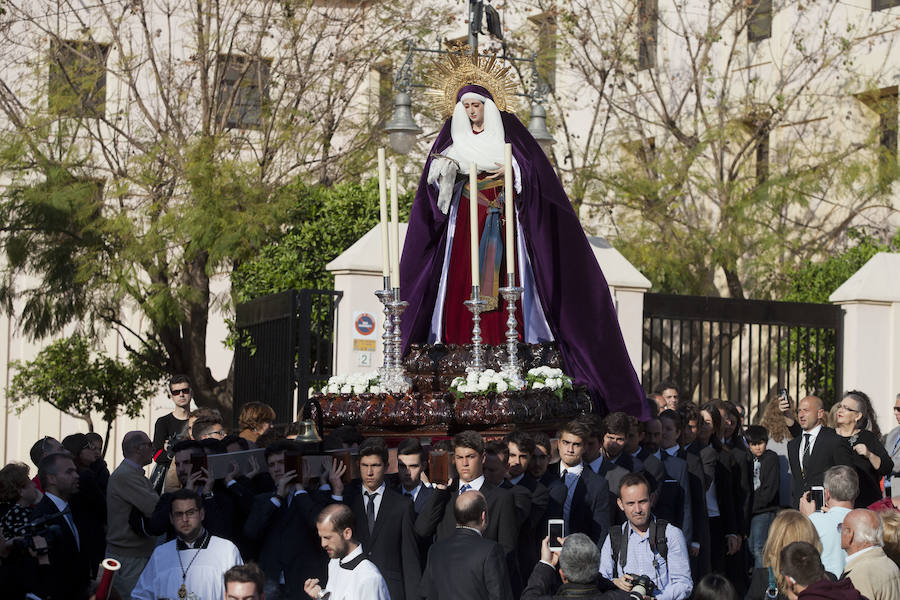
(556, 530)
(818, 496)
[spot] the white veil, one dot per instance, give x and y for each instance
(485, 149)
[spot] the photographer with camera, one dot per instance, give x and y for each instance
(645, 557)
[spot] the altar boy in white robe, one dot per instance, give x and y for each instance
(191, 566)
(351, 576)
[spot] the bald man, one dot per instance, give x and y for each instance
(874, 574)
(465, 565)
(816, 450)
(129, 489)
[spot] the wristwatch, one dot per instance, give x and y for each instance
(324, 594)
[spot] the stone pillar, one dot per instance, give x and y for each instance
(871, 353)
(628, 286)
(357, 273)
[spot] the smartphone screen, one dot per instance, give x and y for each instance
(556, 529)
(818, 496)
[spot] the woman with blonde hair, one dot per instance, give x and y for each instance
(891, 522)
(789, 526)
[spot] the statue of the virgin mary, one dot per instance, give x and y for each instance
(566, 299)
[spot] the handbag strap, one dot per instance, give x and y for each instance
(772, 590)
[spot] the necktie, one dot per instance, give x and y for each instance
(370, 510)
(806, 453)
(570, 479)
(71, 522)
(464, 488)
(756, 479)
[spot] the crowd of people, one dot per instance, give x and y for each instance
(690, 504)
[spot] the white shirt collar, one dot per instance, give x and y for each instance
(475, 484)
(577, 469)
(478, 531)
(516, 480)
(859, 552)
(814, 431)
(379, 491)
(673, 450)
(658, 454)
(595, 464)
(352, 555)
(59, 502)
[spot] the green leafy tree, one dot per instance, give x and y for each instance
(815, 281)
(67, 376)
(148, 149)
(325, 221)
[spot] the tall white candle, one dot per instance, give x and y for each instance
(395, 230)
(510, 216)
(473, 222)
(383, 214)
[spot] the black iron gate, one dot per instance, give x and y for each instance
(742, 350)
(285, 345)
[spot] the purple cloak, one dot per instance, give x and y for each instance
(573, 292)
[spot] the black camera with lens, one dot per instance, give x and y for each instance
(641, 586)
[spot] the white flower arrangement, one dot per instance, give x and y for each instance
(488, 380)
(548, 378)
(353, 383)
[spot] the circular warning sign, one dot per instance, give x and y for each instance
(365, 324)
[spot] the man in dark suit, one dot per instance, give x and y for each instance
(437, 518)
(284, 524)
(675, 502)
(69, 571)
(384, 522)
(579, 496)
(467, 565)
(539, 465)
(617, 429)
(411, 461)
(520, 449)
(815, 451)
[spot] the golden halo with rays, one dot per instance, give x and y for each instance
(460, 69)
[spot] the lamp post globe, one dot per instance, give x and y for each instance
(402, 129)
(537, 127)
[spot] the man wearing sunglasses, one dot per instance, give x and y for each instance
(175, 422)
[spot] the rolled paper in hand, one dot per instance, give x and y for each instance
(109, 566)
(395, 230)
(473, 222)
(383, 214)
(510, 216)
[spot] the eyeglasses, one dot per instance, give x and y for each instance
(217, 433)
(845, 407)
(178, 392)
(188, 514)
(840, 527)
(897, 409)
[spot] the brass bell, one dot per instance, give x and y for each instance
(309, 432)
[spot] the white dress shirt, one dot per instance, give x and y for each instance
(475, 484)
(379, 494)
(813, 433)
